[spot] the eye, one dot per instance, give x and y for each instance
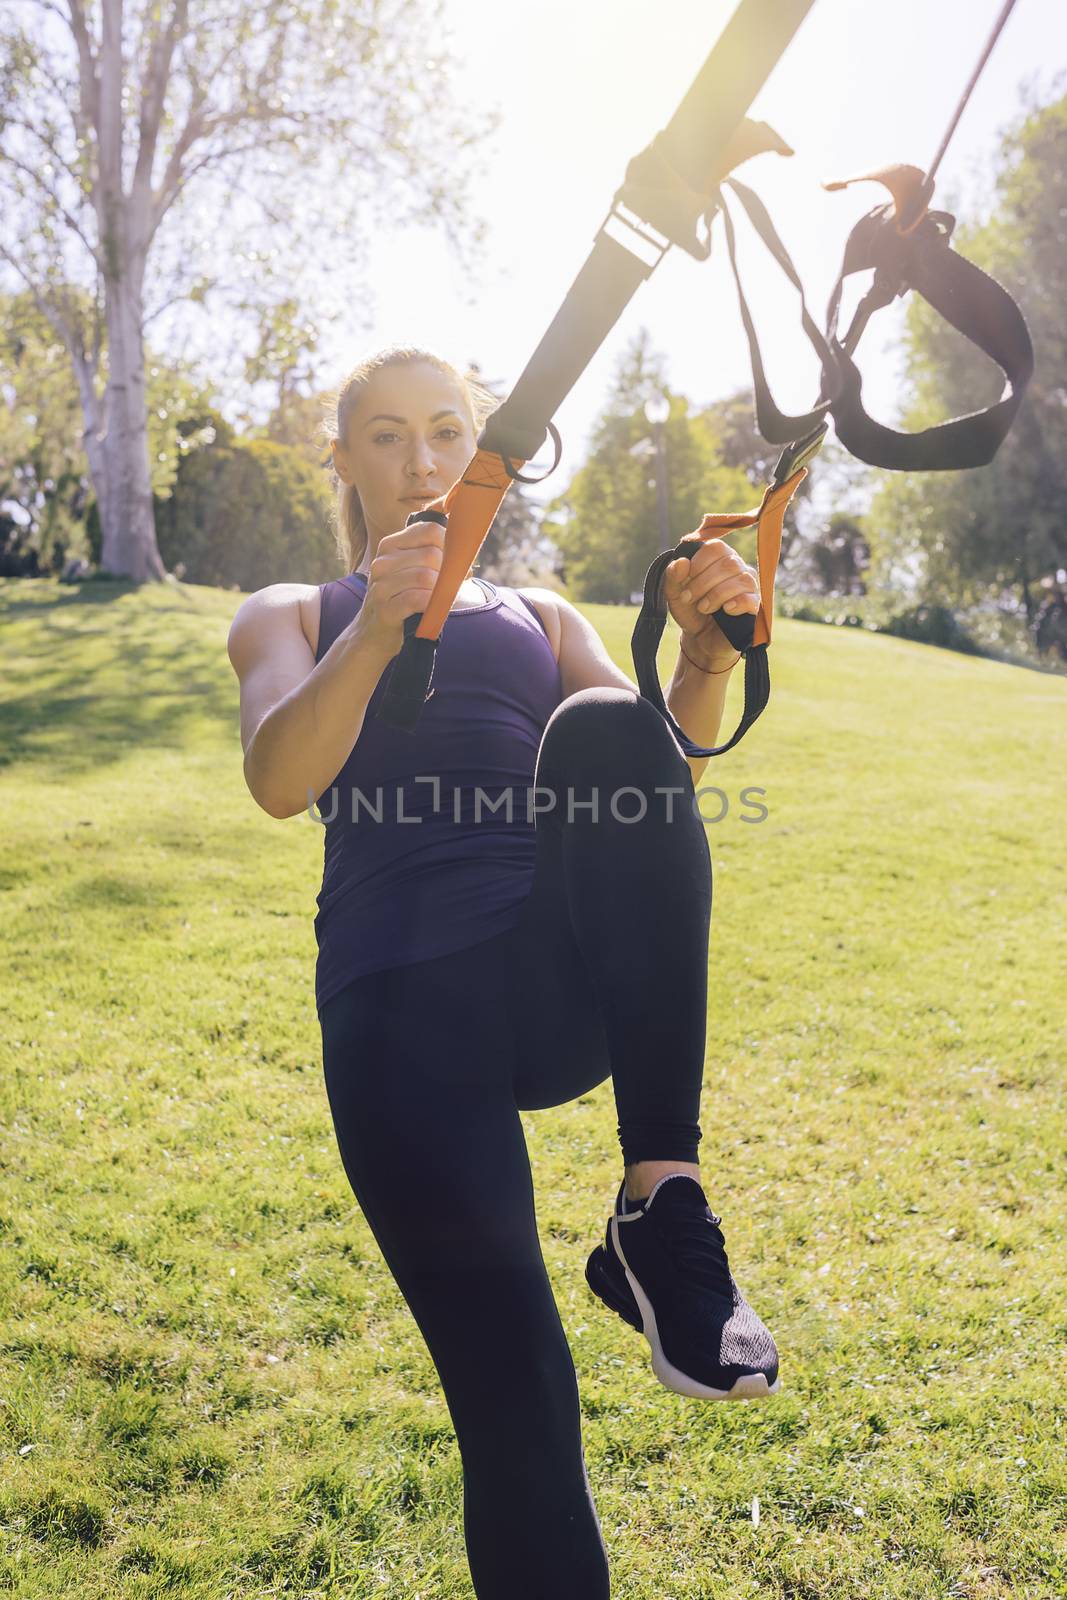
(390, 434)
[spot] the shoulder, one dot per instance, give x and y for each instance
(567, 622)
(275, 607)
(583, 657)
(548, 604)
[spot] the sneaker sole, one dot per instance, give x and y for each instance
(749, 1386)
(597, 1276)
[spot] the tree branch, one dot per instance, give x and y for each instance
(86, 110)
(157, 78)
(32, 128)
(35, 176)
(47, 309)
(46, 5)
(62, 90)
(72, 223)
(173, 179)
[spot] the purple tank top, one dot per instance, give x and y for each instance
(429, 867)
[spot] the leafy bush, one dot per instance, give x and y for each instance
(244, 514)
(983, 629)
(932, 624)
(825, 611)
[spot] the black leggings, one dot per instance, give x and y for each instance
(427, 1067)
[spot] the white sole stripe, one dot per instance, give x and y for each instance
(749, 1386)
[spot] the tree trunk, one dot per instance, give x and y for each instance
(1028, 599)
(85, 371)
(127, 518)
(128, 529)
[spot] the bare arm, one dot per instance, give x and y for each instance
(694, 698)
(584, 662)
(299, 720)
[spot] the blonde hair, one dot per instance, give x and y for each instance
(350, 528)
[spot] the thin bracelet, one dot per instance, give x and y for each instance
(714, 671)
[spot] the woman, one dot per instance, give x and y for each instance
(475, 961)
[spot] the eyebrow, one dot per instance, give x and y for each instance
(383, 416)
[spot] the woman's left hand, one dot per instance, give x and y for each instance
(713, 577)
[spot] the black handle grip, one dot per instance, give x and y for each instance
(411, 673)
(740, 629)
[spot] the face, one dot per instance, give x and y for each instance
(409, 433)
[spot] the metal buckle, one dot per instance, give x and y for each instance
(798, 454)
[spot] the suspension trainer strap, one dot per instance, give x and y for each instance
(695, 150)
(473, 502)
(775, 426)
(749, 634)
(918, 256)
(802, 435)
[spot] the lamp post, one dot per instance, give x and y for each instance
(657, 410)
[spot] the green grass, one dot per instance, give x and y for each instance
(209, 1384)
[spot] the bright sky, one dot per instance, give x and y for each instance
(585, 84)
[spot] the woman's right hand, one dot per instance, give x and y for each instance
(401, 580)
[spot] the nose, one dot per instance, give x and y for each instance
(422, 461)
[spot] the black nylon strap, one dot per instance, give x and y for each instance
(410, 673)
(968, 298)
(965, 296)
(801, 434)
(775, 426)
(644, 645)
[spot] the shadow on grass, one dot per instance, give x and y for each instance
(85, 681)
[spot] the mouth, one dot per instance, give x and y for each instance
(418, 499)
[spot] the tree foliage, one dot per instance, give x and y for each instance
(983, 532)
(606, 524)
(247, 513)
(200, 152)
(44, 469)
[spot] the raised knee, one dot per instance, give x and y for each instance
(607, 718)
(619, 708)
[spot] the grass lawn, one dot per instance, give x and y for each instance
(209, 1384)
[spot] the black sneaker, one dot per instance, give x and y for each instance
(606, 1275)
(663, 1268)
